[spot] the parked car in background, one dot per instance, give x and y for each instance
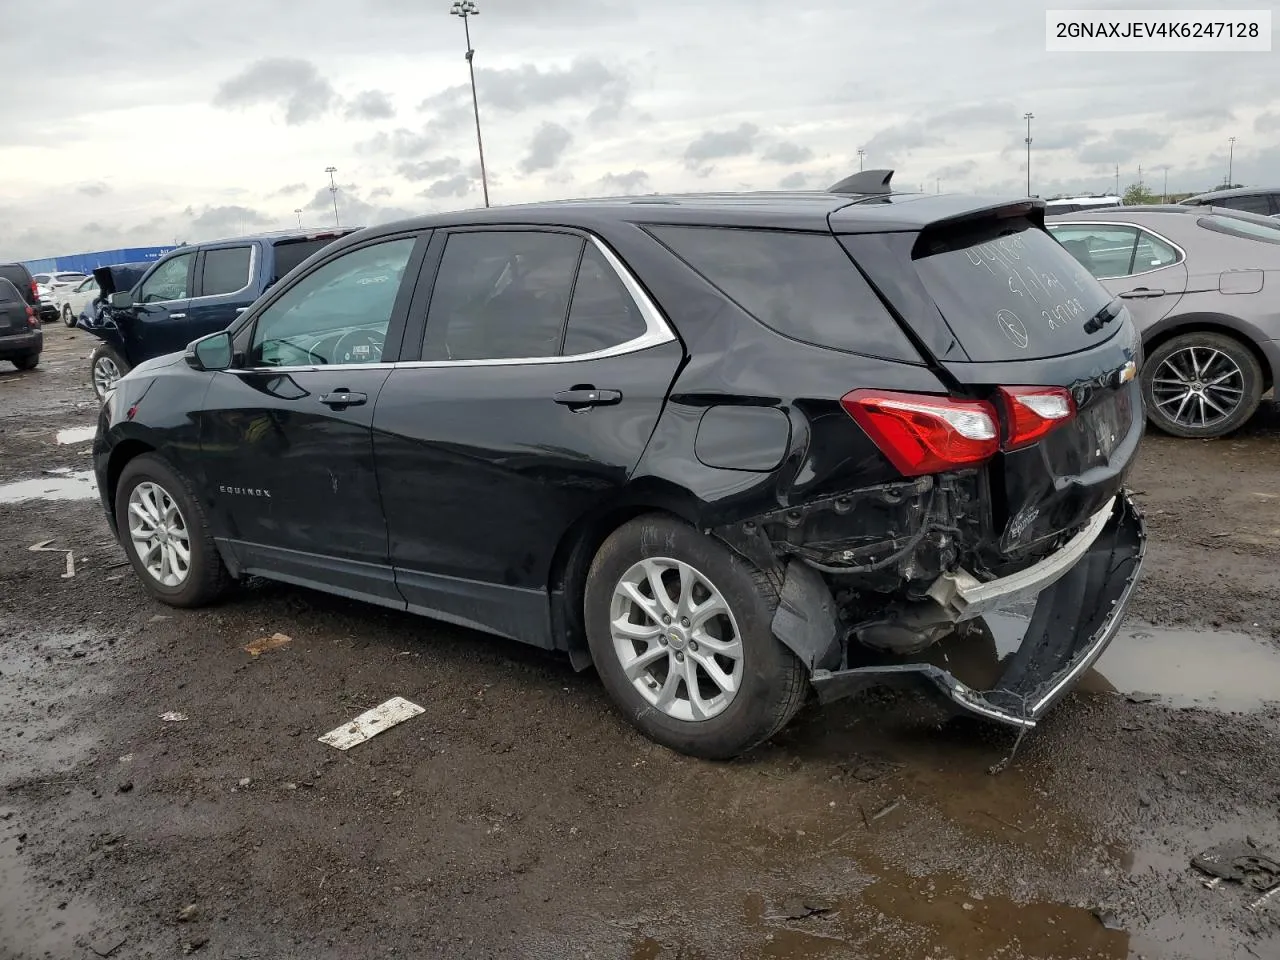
(21, 339)
(726, 448)
(1263, 201)
(54, 286)
(192, 291)
(78, 299)
(20, 277)
(1076, 204)
(1201, 284)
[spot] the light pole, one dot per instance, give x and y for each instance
(333, 190)
(465, 9)
(1028, 117)
(298, 211)
(1231, 156)
(861, 153)
(1164, 191)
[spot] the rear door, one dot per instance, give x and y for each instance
(13, 310)
(156, 322)
(543, 369)
(225, 286)
(1146, 270)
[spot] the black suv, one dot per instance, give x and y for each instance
(725, 448)
(190, 292)
(21, 339)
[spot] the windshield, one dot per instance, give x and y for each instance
(1009, 291)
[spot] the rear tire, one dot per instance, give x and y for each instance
(153, 498)
(1201, 385)
(68, 317)
(106, 366)
(29, 362)
(624, 621)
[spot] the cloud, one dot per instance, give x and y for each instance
(720, 144)
(455, 186)
(370, 105)
(1268, 122)
(788, 152)
(429, 169)
(289, 189)
(546, 148)
(378, 192)
(98, 189)
(1121, 146)
(225, 221)
(284, 81)
(795, 181)
(955, 171)
(627, 184)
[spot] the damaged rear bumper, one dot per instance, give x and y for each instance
(1075, 617)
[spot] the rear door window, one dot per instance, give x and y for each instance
(226, 270)
(801, 285)
(1103, 250)
(1011, 292)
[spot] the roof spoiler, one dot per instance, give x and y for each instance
(864, 182)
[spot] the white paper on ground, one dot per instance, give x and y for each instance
(371, 723)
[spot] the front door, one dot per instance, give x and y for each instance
(149, 327)
(225, 286)
(286, 438)
(532, 403)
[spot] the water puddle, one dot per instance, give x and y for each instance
(61, 483)
(77, 435)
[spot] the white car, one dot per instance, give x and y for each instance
(51, 288)
(76, 300)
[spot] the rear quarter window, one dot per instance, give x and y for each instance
(801, 285)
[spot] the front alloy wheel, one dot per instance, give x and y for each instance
(159, 534)
(676, 639)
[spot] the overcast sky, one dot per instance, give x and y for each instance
(139, 124)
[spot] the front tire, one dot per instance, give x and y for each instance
(28, 362)
(166, 535)
(106, 366)
(1201, 385)
(68, 317)
(680, 631)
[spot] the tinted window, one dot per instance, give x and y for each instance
(87, 284)
(8, 292)
(338, 313)
(68, 277)
(1104, 251)
(1249, 203)
(501, 295)
(1010, 292)
(1239, 227)
(168, 282)
(18, 276)
(603, 314)
(41, 277)
(802, 285)
(225, 271)
(292, 252)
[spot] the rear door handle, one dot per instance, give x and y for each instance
(176, 316)
(342, 398)
(588, 397)
(1141, 293)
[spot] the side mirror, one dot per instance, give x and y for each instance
(210, 353)
(121, 300)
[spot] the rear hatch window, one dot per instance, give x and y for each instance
(1009, 291)
(18, 276)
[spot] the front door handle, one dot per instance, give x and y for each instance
(1141, 293)
(588, 396)
(176, 316)
(342, 398)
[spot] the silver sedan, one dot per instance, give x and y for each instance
(1203, 286)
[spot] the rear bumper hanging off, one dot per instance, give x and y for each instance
(1080, 596)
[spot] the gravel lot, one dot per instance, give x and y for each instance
(518, 816)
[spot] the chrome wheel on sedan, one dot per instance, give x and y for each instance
(676, 639)
(159, 534)
(1198, 387)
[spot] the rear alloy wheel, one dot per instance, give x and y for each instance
(679, 629)
(1201, 385)
(27, 362)
(165, 533)
(68, 317)
(107, 366)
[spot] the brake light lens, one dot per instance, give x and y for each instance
(35, 291)
(32, 320)
(1034, 411)
(922, 433)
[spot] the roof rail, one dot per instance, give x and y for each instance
(864, 181)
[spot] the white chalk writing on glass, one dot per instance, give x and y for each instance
(1004, 257)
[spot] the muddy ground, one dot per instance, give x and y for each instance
(518, 816)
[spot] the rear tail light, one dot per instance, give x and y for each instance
(1034, 411)
(921, 433)
(32, 320)
(35, 291)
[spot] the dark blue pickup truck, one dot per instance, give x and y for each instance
(193, 291)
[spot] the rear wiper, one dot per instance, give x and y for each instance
(1104, 316)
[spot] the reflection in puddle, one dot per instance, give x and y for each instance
(77, 435)
(1217, 670)
(60, 484)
